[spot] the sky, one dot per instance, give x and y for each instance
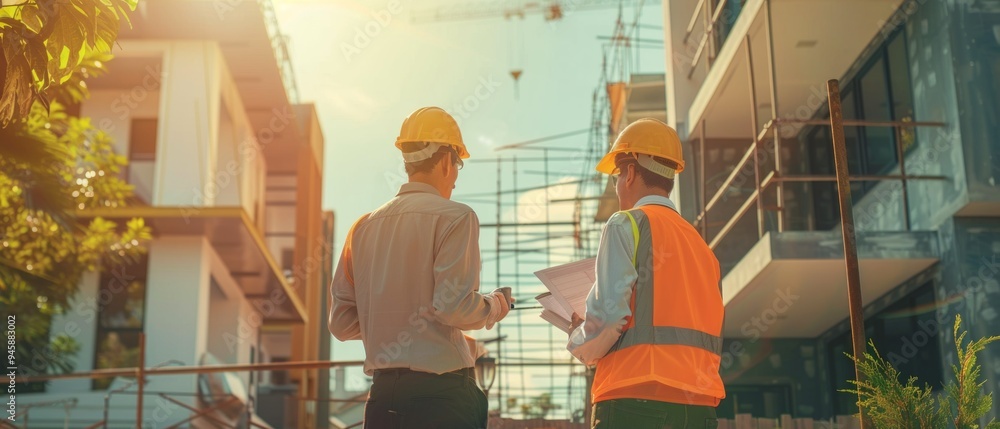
(367, 65)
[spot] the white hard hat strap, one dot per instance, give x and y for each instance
(422, 154)
(647, 162)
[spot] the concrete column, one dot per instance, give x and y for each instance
(177, 303)
(189, 122)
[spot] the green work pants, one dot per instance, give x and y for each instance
(643, 414)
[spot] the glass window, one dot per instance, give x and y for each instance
(762, 401)
(879, 149)
(902, 90)
(122, 305)
(899, 332)
(880, 92)
(727, 18)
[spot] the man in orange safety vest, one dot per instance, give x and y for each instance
(653, 323)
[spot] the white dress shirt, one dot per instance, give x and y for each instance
(608, 303)
(410, 284)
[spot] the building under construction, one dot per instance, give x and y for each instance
(744, 85)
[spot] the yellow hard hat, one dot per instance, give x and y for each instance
(432, 125)
(651, 137)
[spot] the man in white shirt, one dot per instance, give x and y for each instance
(407, 285)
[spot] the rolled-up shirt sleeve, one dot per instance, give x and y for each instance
(608, 307)
(457, 301)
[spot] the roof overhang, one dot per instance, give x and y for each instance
(794, 284)
(234, 237)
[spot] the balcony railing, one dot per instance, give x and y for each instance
(778, 178)
(279, 43)
(716, 18)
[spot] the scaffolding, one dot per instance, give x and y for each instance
(558, 220)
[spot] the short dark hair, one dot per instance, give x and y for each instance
(649, 178)
(425, 166)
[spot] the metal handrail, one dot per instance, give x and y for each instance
(67, 403)
(709, 22)
(115, 372)
(107, 397)
(776, 178)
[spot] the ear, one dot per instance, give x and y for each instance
(446, 165)
(632, 173)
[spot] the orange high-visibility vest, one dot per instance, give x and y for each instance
(671, 347)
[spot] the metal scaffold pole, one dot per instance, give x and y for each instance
(847, 229)
(499, 335)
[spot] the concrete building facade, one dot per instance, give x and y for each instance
(746, 89)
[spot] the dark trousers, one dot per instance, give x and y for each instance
(404, 399)
(643, 414)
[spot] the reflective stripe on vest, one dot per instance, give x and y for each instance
(642, 330)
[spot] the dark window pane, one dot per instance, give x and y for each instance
(902, 90)
(824, 194)
(851, 134)
(880, 152)
(142, 139)
(906, 336)
(123, 295)
(116, 350)
(122, 304)
(841, 371)
(762, 401)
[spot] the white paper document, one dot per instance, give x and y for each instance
(553, 312)
(568, 286)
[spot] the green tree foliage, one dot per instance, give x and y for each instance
(890, 403)
(43, 42)
(53, 165)
(538, 408)
(44, 250)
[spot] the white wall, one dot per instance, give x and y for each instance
(177, 303)
(680, 90)
(79, 322)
